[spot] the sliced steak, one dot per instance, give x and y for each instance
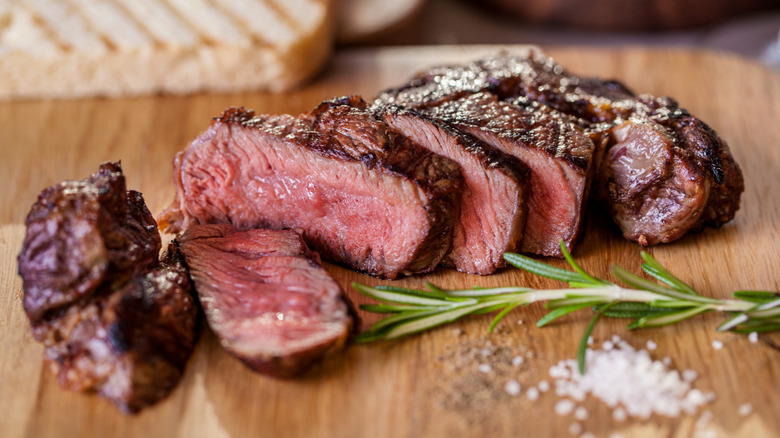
(493, 203)
(112, 318)
(557, 152)
(365, 196)
(699, 184)
(267, 297)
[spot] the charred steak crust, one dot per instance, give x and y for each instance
(79, 233)
(111, 317)
(267, 297)
(490, 156)
(339, 137)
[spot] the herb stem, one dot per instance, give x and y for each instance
(647, 303)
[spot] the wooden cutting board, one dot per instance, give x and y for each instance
(427, 385)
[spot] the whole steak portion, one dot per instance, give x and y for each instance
(267, 297)
(364, 195)
(113, 319)
(664, 172)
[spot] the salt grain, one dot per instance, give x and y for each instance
(581, 413)
(753, 337)
(651, 345)
(532, 394)
(689, 375)
(619, 414)
(667, 361)
(587, 435)
(590, 340)
(704, 420)
(517, 361)
(485, 368)
(512, 387)
(543, 386)
(717, 344)
(575, 429)
(745, 409)
(607, 346)
(564, 407)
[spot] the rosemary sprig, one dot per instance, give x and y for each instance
(647, 303)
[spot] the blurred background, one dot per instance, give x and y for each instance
(747, 27)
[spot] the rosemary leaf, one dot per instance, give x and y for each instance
(664, 275)
(501, 315)
(629, 310)
(561, 311)
(667, 318)
(755, 296)
(540, 268)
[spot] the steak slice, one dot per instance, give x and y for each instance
(111, 317)
(365, 196)
(493, 203)
(267, 297)
(557, 152)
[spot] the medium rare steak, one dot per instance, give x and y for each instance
(697, 182)
(493, 203)
(557, 152)
(364, 195)
(267, 297)
(111, 317)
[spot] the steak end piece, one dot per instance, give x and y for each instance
(130, 344)
(267, 297)
(365, 196)
(80, 231)
(666, 173)
(112, 318)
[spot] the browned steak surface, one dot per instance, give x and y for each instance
(364, 195)
(494, 200)
(267, 297)
(696, 183)
(666, 173)
(557, 152)
(112, 318)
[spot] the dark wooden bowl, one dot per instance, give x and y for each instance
(629, 14)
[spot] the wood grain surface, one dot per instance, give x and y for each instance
(427, 385)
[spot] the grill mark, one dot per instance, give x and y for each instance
(256, 37)
(190, 37)
(206, 30)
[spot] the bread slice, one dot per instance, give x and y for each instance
(76, 48)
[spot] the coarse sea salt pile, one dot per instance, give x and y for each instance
(630, 382)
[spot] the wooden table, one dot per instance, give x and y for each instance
(427, 385)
